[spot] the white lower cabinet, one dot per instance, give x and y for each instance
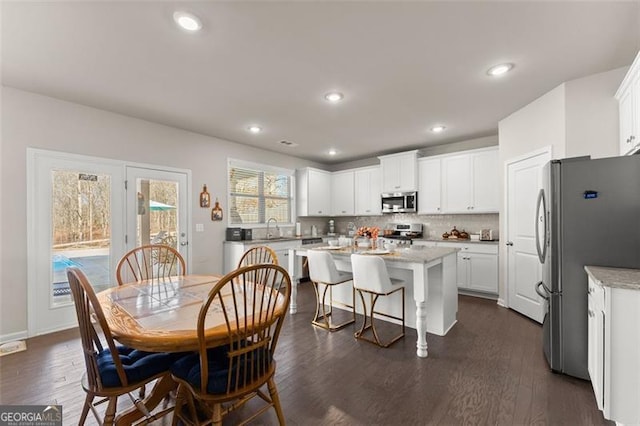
(614, 351)
(477, 265)
(233, 251)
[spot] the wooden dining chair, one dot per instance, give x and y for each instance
(149, 262)
(108, 376)
(257, 255)
(250, 304)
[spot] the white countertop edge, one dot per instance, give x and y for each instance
(615, 277)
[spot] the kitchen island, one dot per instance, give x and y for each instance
(430, 277)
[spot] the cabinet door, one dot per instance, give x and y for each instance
(626, 107)
(485, 182)
(399, 172)
(483, 272)
(463, 270)
(319, 194)
(456, 188)
(595, 348)
(342, 193)
(367, 191)
(429, 186)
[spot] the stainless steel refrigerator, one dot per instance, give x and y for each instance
(588, 214)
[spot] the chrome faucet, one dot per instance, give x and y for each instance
(268, 221)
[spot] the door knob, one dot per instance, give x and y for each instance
(184, 243)
(509, 243)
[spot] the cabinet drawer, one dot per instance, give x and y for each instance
(471, 248)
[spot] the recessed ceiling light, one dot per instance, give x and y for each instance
(500, 69)
(332, 151)
(438, 129)
(334, 96)
(254, 129)
(187, 21)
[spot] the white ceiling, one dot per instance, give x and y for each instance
(402, 66)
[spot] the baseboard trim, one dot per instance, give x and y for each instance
(20, 335)
(502, 303)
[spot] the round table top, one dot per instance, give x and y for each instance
(160, 315)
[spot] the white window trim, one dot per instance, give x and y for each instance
(234, 162)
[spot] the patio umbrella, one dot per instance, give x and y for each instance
(158, 206)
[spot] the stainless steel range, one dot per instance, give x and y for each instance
(402, 234)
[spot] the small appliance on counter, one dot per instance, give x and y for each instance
(332, 228)
(401, 234)
(247, 234)
(234, 234)
(488, 235)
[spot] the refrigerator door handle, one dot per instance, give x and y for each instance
(541, 217)
(546, 291)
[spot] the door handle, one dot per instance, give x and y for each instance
(509, 243)
(544, 295)
(541, 202)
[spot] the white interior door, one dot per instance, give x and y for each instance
(74, 214)
(157, 208)
(524, 270)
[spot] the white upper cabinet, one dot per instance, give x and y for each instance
(367, 191)
(313, 192)
(628, 96)
(429, 185)
(342, 191)
(399, 172)
(470, 182)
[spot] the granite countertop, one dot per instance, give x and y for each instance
(615, 277)
(457, 240)
(276, 239)
(409, 255)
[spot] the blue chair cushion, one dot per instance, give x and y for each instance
(138, 365)
(188, 368)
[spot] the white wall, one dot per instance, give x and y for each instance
(592, 124)
(31, 120)
(579, 117)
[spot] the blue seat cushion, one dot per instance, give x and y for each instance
(188, 368)
(138, 365)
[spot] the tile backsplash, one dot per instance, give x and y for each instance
(433, 225)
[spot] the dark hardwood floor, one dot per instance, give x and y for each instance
(489, 370)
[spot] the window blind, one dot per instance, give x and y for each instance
(258, 193)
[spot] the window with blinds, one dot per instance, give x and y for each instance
(258, 193)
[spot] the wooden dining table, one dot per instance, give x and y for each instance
(160, 315)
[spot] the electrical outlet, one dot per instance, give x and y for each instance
(199, 227)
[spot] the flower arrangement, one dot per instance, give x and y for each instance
(368, 231)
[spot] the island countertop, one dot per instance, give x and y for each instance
(615, 277)
(415, 254)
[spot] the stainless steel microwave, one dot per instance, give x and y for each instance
(399, 202)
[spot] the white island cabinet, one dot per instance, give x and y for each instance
(613, 319)
(430, 286)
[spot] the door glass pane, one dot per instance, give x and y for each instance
(157, 212)
(81, 230)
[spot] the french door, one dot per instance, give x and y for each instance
(87, 212)
(74, 209)
(157, 208)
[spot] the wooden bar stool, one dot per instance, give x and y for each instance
(323, 271)
(370, 276)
